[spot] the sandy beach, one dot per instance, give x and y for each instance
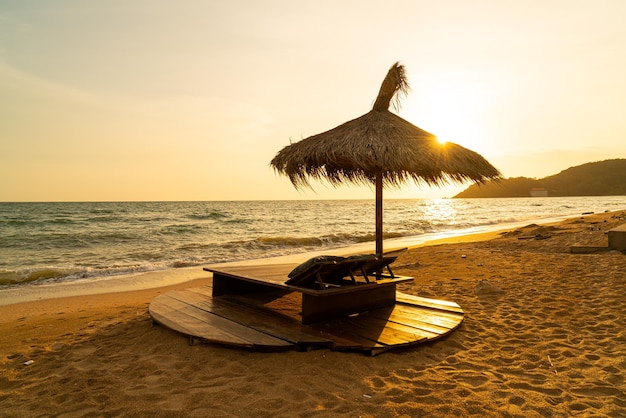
(544, 336)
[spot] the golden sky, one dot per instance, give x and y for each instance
(168, 100)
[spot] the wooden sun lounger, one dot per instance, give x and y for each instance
(327, 273)
(326, 293)
(376, 266)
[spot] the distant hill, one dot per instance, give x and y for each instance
(602, 178)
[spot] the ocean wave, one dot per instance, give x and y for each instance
(104, 218)
(187, 263)
(209, 215)
(57, 275)
(181, 228)
(321, 241)
(10, 277)
(115, 236)
(238, 221)
(289, 241)
(62, 221)
(99, 211)
(15, 222)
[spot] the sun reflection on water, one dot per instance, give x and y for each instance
(439, 210)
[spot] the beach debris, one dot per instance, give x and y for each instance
(552, 365)
(29, 362)
(366, 396)
(539, 236)
(483, 287)
(534, 231)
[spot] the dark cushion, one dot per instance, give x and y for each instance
(310, 263)
(304, 267)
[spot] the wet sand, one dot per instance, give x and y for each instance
(544, 335)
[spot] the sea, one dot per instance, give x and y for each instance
(47, 243)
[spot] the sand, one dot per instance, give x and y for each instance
(544, 336)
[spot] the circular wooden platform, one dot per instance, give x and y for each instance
(271, 322)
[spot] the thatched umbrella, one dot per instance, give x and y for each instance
(383, 149)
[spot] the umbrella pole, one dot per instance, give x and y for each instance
(379, 214)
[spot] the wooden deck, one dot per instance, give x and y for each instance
(271, 319)
(617, 238)
(318, 304)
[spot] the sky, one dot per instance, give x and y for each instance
(166, 100)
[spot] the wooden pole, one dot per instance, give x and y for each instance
(379, 214)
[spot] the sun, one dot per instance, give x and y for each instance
(459, 133)
(451, 107)
(450, 121)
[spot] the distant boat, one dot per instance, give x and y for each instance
(538, 192)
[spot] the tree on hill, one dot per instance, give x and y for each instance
(603, 178)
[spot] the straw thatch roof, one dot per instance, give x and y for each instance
(381, 143)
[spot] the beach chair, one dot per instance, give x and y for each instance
(328, 271)
(376, 266)
(331, 271)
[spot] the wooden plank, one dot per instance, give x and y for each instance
(345, 336)
(399, 324)
(227, 284)
(415, 334)
(164, 314)
(260, 320)
(272, 274)
(432, 303)
(369, 331)
(288, 305)
(408, 318)
(203, 290)
(392, 334)
(384, 335)
(428, 325)
(346, 341)
(427, 310)
(395, 279)
(173, 316)
(435, 317)
(215, 328)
